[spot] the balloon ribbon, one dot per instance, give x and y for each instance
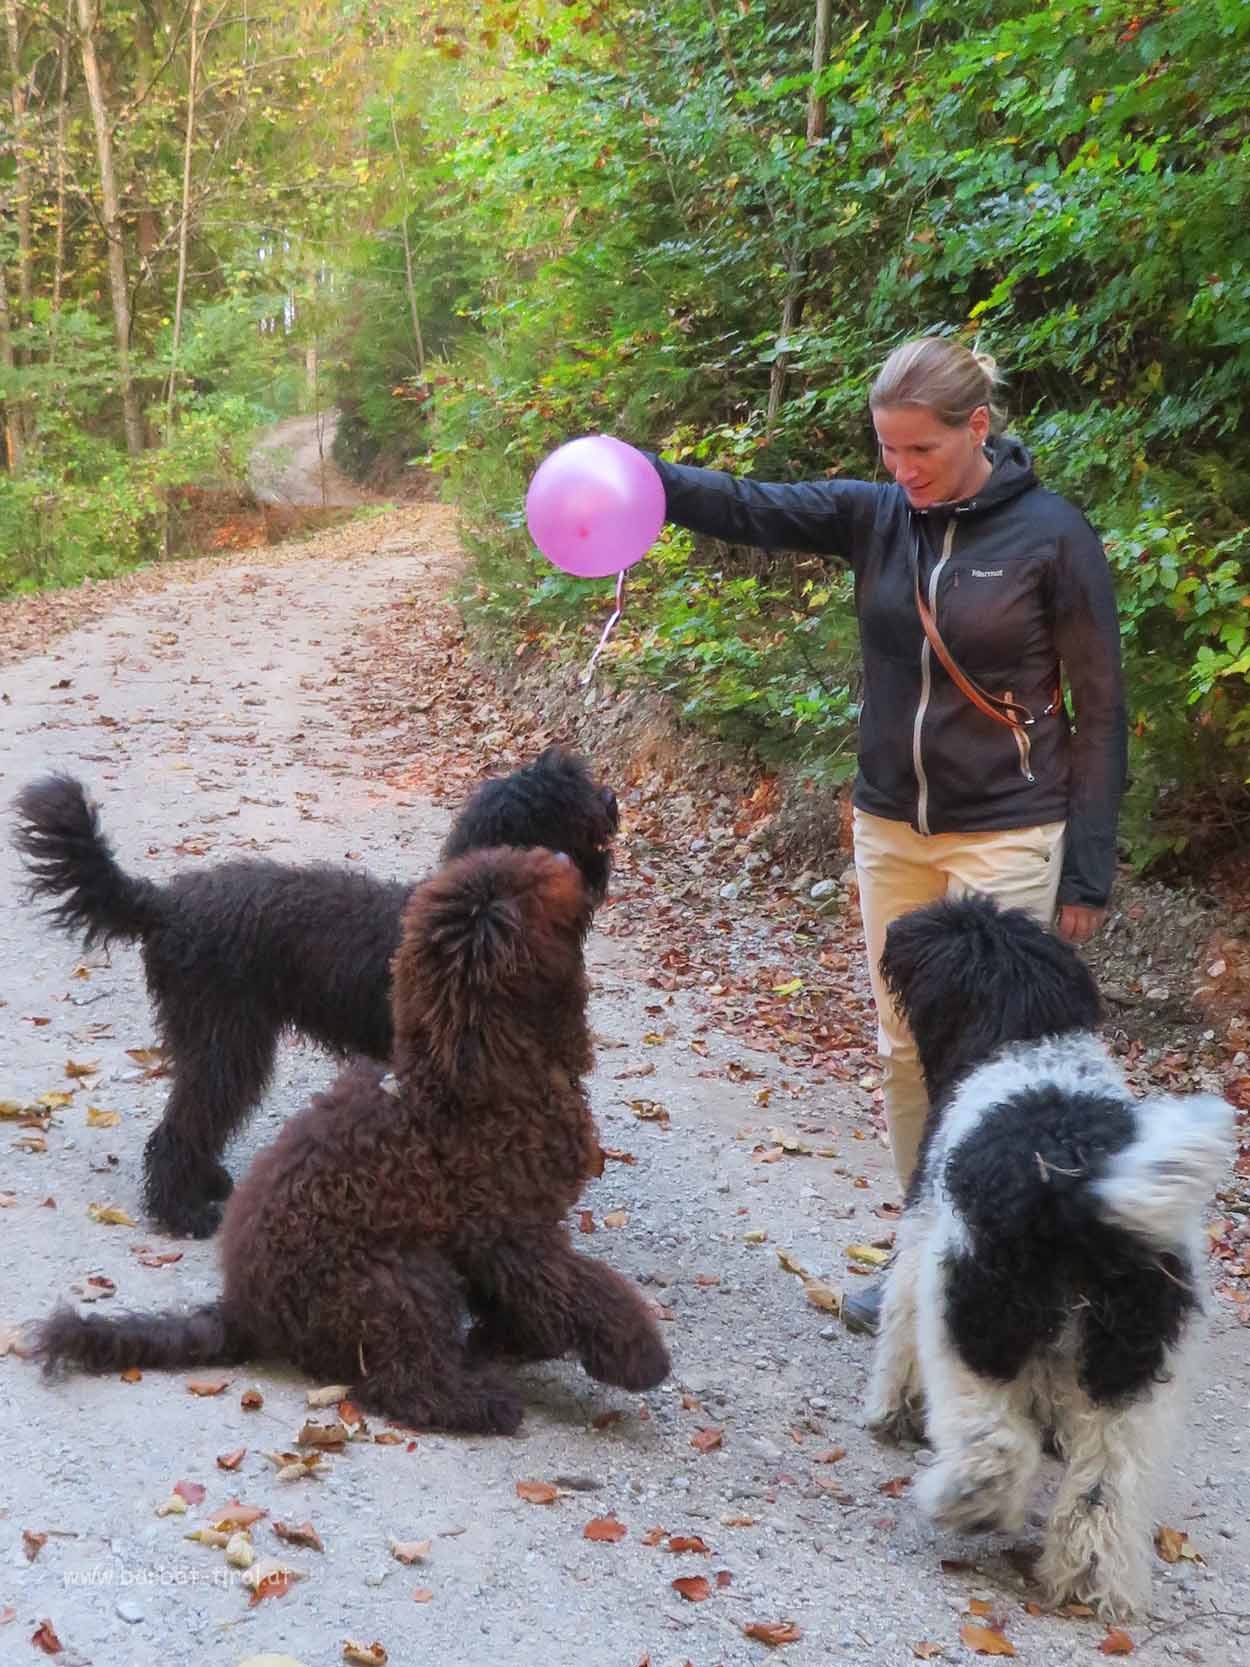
(607, 630)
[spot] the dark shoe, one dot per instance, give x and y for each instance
(861, 1309)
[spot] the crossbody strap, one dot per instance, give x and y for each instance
(1001, 708)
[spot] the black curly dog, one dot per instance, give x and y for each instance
(237, 954)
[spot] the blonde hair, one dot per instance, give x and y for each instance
(941, 376)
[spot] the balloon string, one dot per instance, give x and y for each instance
(607, 630)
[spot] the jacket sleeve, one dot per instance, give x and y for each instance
(1087, 635)
(822, 517)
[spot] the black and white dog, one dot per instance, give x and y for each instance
(1049, 1257)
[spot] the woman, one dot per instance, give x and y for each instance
(975, 589)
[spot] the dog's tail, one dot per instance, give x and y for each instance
(70, 860)
(205, 1336)
(1153, 1187)
(491, 963)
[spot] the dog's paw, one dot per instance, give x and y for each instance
(901, 1424)
(635, 1363)
(982, 1491)
(218, 1183)
(189, 1218)
(491, 1409)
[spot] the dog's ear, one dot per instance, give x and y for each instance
(970, 977)
(490, 958)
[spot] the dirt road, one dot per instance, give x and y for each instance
(212, 720)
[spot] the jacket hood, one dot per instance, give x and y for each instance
(1010, 476)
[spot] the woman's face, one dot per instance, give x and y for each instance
(933, 463)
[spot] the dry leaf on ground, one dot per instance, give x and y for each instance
(705, 1441)
(984, 1641)
(925, 1651)
(1174, 1545)
(364, 1655)
(773, 1632)
(299, 1533)
(207, 1386)
(44, 1638)
(110, 1215)
(410, 1551)
(537, 1493)
(327, 1396)
(1116, 1643)
(693, 1587)
(605, 1529)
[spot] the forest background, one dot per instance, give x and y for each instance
(481, 230)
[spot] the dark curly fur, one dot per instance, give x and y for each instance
(358, 1239)
(237, 954)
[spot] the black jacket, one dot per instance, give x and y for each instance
(1018, 583)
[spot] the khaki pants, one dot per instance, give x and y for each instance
(899, 869)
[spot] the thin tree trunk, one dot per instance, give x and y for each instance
(112, 230)
(800, 259)
(12, 412)
(14, 317)
(418, 340)
(184, 223)
(58, 256)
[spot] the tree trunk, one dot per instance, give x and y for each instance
(58, 256)
(184, 223)
(118, 286)
(800, 259)
(417, 339)
(12, 413)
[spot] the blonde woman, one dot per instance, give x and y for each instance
(978, 594)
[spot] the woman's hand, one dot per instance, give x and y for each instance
(1078, 922)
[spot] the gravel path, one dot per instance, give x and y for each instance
(212, 720)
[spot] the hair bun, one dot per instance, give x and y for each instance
(989, 365)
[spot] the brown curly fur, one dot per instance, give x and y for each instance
(397, 1201)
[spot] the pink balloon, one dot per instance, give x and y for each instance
(595, 506)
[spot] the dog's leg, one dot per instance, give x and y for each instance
(895, 1402)
(221, 1063)
(534, 1298)
(988, 1448)
(408, 1312)
(1098, 1540)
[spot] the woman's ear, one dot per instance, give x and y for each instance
(979, 424)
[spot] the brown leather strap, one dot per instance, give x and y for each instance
(1002, 709)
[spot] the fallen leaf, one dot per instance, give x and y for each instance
(926, 1652)
(980, 1606)
(299, 1533)
(773, 1632)
(32, 1543)
(868, 1253)
(654, 1536)
(231, 1461)
(218, 1537)
(537, 1493)
(706, 1441)
(56, 1100)
(616, 1218)
(755, 1235)
(207, 1386)
(615, 1155)
(156, 1258)
(649, 1111)
(296, 1467)
(328, 1396)
(1173, 1545)
(984, 1642)
(423, 1594)
(894, 1489)
(234, 1515)
(831, 1455)
(82, 1067)
(322, 1435)
(192, 1492)
(270, 1578)
(688, 1542)
(739, 1522)
(1116, 1643)
(365, 1655)
(44, 1638)
(97, 1119)
(174, 1506)
(693, 1587)
(586, 1221)
(410, 1551)
(132, 1374)
(825, 1297)
(111, 1215)
(605, 1529)
(791, 1266)
(251, 1400)
(240, 1553)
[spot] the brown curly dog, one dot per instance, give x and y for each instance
(397, 1201)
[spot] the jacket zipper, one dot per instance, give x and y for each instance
(926, 684)
(1023, 747)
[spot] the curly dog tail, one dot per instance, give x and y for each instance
(205, 1336)
(1154, 1187)
(70, 859)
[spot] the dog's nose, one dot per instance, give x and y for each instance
(610, 805)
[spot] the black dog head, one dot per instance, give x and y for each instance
(970, 977)
(552, 802)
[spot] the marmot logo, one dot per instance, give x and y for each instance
(987, 572)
